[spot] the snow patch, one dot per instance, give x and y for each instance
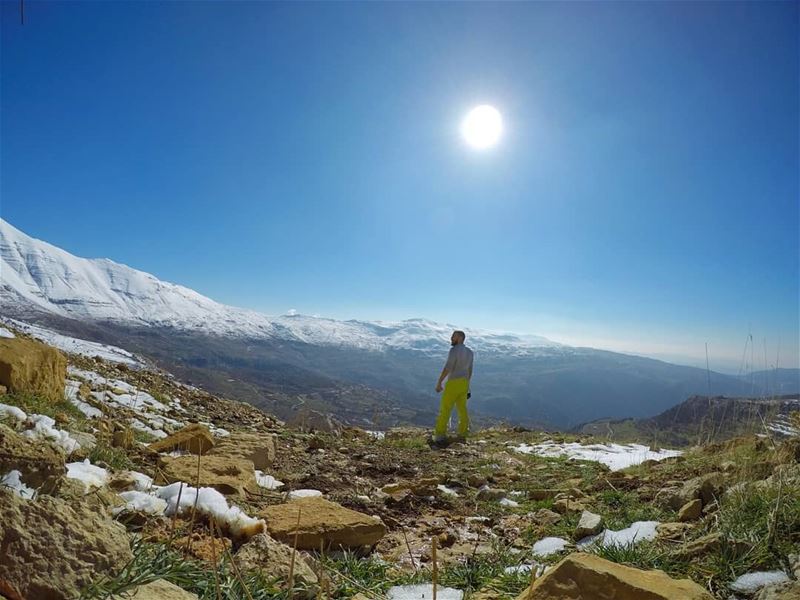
(140, 501)
(89, 474)
(423, 592)
(6, 333)
(13, 412)
(297, 494)
(446, 490)
(267, 481)
(508, 502)
(12, 480)
(750, 583)
(637, 532)
(44, 428)
(614, 456)
(209, 502)
(548, 546)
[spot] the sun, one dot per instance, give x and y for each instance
(482, 127)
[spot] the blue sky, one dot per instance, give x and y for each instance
(644, 196)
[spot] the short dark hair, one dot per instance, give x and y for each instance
(460, 334)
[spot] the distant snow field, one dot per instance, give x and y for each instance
(73, 345)
(614, 456)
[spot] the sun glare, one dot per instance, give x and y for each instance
(482, 126)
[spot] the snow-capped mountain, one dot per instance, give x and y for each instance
(35, 275)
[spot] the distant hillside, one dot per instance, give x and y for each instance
(703, 419)
(374, 374)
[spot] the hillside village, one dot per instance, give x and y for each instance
(118, 481)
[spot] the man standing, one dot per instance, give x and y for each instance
(458, 371)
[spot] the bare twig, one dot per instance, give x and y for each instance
(408, 545)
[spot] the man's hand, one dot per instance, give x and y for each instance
(439, 388)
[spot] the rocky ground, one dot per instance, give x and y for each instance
(124, 483)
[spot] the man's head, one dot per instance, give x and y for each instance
(458, 337)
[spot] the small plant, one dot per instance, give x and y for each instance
(113, 457)
(35, 404)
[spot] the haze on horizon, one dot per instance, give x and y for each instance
(643, 195)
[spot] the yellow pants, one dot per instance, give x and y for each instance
(455, 393)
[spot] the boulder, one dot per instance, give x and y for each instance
(32, 367)
(426, 486)
(589, 524)
(41, 465)
(672, 531)
(271, 557)
(160, 589)
(322, 522)
(582, 576)
(229, 476)
(690, 511)
(259, 448)
(543, 516)
(194, 438)
(706, 488)
(52, 550)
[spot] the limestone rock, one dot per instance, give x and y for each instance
(263, 553)
(161, 589)
(311, 420)
(702, 545)
(542, 494)
(566, 505)
(194, 438)
(706, 488)
(122, 438)
(33, 367)
(258, 448)
(41, 465)
(487, 493)
(782, 591)
(425, 486)
(322, 521)
(582, 576)
(589, 524)
(52, 550)
(544, 516)
(229, 476)
(691, 511)
(672, 531)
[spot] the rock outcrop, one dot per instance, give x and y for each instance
(260, 449)
(41, 465)
(52, 550)
(322, 522)
(194, 438)
(229, 476)
(582, 576)
(32, 367)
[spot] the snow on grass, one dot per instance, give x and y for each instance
(548, 546)
(92, 476)
(44, 429)
(5, 333)
(750, 583)
(139, 426)
(12, 481)
(8, 411)
(540, 569)
(423, 592)
(446, 490)
(76, 345)
(267, 481)
(143, 482)
(209, 502)
(140, 501)
(71, 392)
(298, 494)
(637, 532)
(614, 456)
